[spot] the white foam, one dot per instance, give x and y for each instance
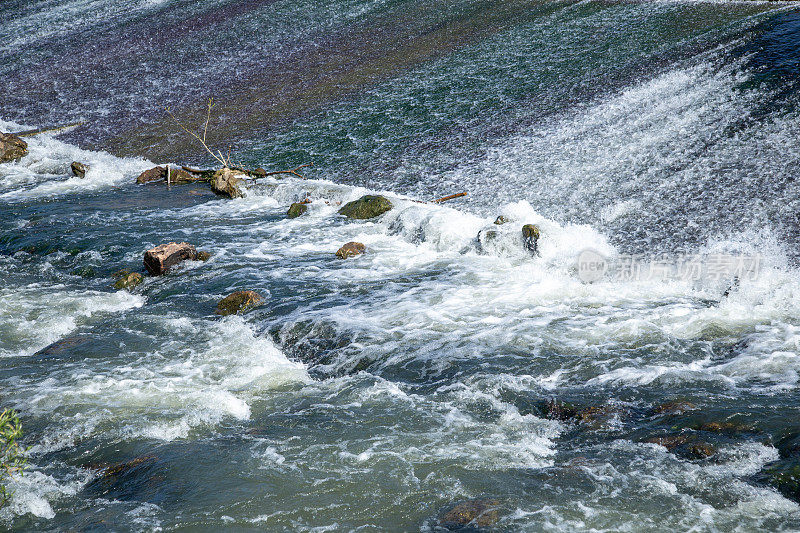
(45, 171)
(37, 315)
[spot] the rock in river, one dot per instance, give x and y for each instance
(79, 169)
(238, 302)
(296, 209)
(228, 182)
(368, 206)
(12, 147)
(127, 280)
(160, 259)
(351, 249)
(479, 512)
(176, 176)
(530, 237)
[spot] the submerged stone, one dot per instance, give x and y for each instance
(12, 147)
(160, 259)
(351, 249)
(79, 169)
(296, 209)
(202, 256)
(784, 476)
(501, 220)
(238, 302)
(676, 407)
(369, 206)
(478, 512)
(228, 182)
(530, 237)
(127, 280)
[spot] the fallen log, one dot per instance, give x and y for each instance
(47, 129)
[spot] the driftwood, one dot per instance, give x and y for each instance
(292, 171)
(47, 129)
(450, 197)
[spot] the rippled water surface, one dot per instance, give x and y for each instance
(447, 363)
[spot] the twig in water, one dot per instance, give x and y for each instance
(292, 171)
(444, 199)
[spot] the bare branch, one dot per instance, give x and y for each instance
(292, 171)
(457, 195)
(196, 136)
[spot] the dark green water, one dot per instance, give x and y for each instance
(376, 393)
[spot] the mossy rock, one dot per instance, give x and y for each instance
(296, 209)
(238, 302)
(479, 513)
(369, 206)
(127, 280)
(784, 476)
(202, 256)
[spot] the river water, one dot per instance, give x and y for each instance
(374, 394)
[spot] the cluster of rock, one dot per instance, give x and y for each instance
(228, 182)
(13, 148)
(163, 258)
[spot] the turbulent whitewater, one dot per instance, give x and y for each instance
(448, 363)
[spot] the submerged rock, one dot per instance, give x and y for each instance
(127, 280)
(351, 249)
(784, 476)
(238, 302)
(670, 442)
(530, 237)
(63, 344)
(296, 209)
(369, 206)
(676, 407)
(228, 182)
(202, 256)
(702, 450)
(478, 512)
(501, 220)
(12, 147)
(160, 259)
(79, 169)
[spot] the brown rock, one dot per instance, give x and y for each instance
(228, 182)
(479, 512)
(260, 172)
(12, 147)
(154, 174)
(79, 169)
(161, 258)
(351, 249)
(501, 220)
(238, 302)
(202, 256)
(177, 176)
(702, 450)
